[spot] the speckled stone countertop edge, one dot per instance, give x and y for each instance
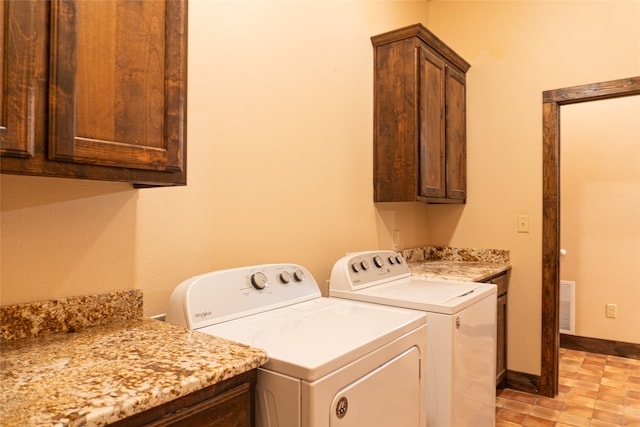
(457, 270)
(105, 373)
(34, 319)
(461, 264)
(447, 253)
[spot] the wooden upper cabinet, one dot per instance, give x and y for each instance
(116, 95)
(419, 118)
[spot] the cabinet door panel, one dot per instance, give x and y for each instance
(117, 87)
(230, 409)
(229, 403)
(4, 23)
(22, 76)
(395, 127)
(501, 340)
(456, 135)
(431, 152)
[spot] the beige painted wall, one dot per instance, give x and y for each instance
(518, 49)
(280, 164)
(600, 216)
(280, 167)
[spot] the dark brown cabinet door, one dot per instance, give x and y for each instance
(230, 403)
(230, 409)
(113, 105)
(501, 341)
(431, 122)
(116, 84)
(395, 128)
(502, 283)
(23, 74)
(456, 135)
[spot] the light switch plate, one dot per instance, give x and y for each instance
(523, 223)
(611, 311)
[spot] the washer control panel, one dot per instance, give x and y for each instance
(363, 269)
(224, 295)
(260, 280)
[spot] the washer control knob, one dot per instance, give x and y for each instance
(298, 275)
(378, 261)
(399, 259)
(392, 260)
(285, 277)
(364, 265)
(355, 267)
(259, 280)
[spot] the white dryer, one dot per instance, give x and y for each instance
(461, 350)
(332, 362)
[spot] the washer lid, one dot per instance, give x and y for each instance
(419, 293)
(311, 339)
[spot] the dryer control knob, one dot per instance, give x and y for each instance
(378, 261)
(298, 275)
(259, 280)
(364, 265)
(285, 277)
(355, 267)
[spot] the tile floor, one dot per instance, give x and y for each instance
(595, 390)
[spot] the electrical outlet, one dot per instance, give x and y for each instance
(612, 311)
(523, 223)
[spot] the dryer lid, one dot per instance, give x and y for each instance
(418, 293)
(311, 339)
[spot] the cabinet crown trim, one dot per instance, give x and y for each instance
(420, 31)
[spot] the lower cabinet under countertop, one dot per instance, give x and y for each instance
(229, 403)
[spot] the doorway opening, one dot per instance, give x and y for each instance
(552, 100)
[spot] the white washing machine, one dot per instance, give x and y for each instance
(461, 350)
(332, 362)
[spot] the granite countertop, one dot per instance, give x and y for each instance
(469, 265)
(466, 271)
(103, 373)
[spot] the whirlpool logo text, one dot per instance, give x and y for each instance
(202, 314)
